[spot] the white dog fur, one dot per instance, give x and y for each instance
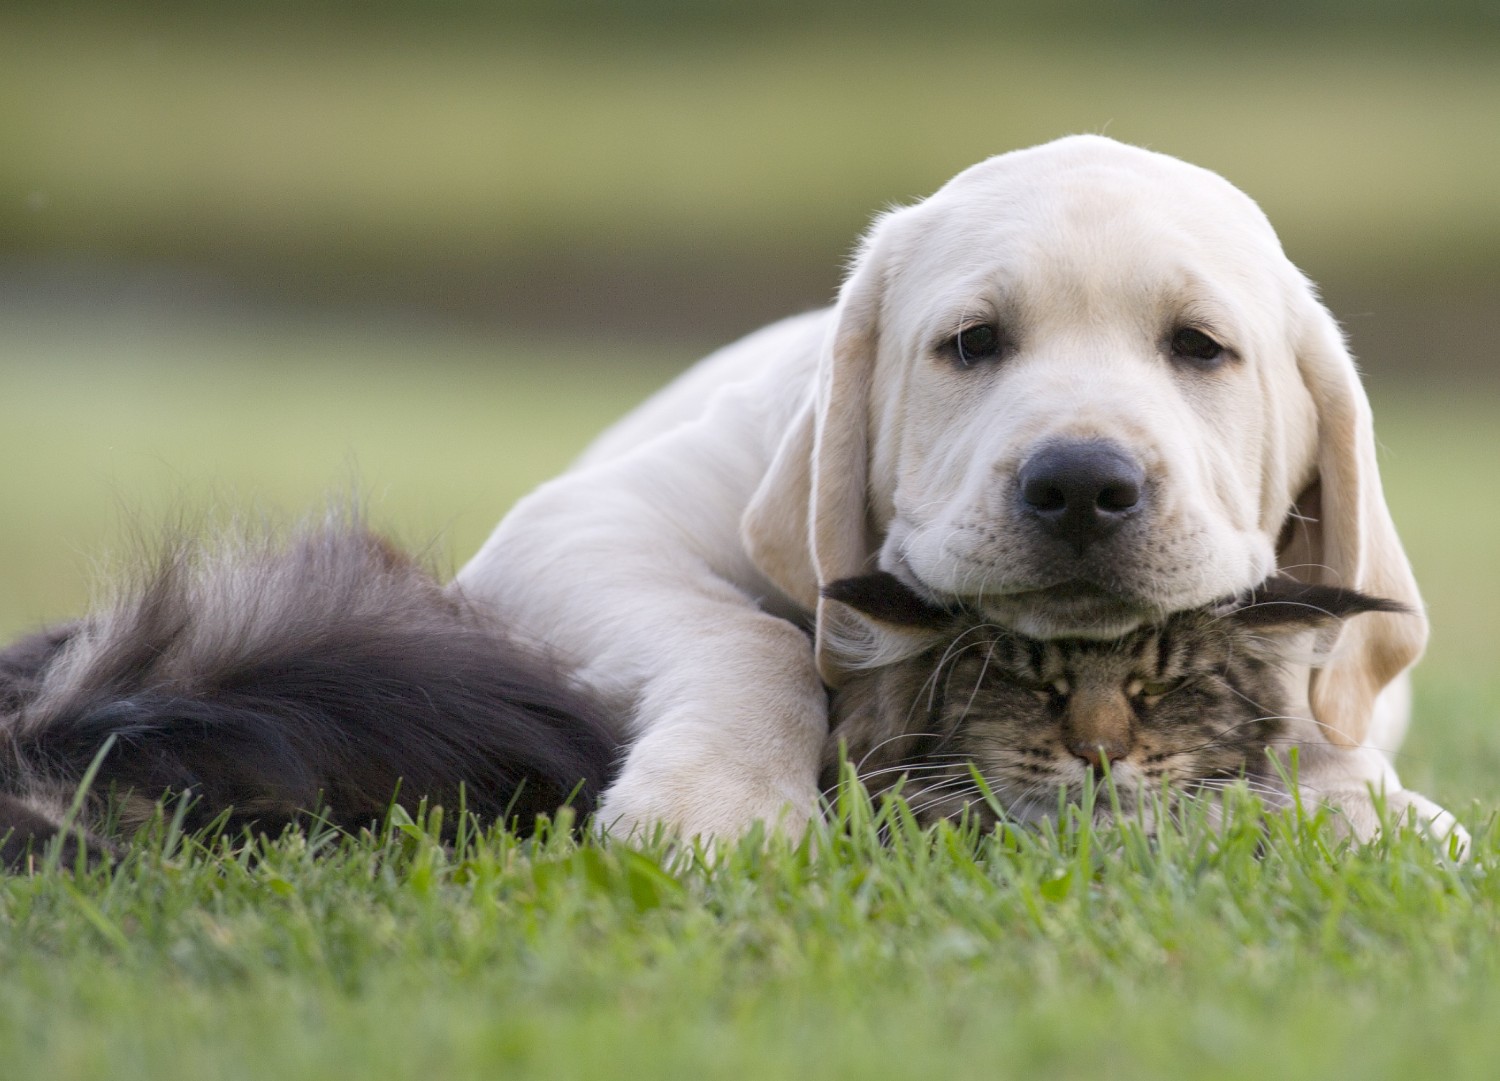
(676, 569)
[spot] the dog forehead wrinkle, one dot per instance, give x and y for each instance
(1053, 220)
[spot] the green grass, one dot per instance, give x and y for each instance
(1091, 952)
(1086, 954)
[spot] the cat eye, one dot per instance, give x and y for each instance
(1194, 348)
(975, 344)
(1153, 688)
(1044, 692)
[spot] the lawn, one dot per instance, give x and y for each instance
(950, 954)
(1085, 954)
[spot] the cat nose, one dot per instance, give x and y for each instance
(1081, 491)
(1094, 752)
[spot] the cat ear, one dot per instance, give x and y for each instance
(1285, 605)
(877, 619)
(884, 597)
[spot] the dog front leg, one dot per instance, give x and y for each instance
(654, 610)
(731, 737)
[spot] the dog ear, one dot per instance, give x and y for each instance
(809, 522)
(1341, 534)
(774, 528)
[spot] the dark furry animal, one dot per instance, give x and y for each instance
(1193, 702)
(268, 681)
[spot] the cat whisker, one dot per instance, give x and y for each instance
(940, 794)
(1299, 718)
(1222, 738)
(948, 665)
(944, 665)
(979, 679)
(1032, 796)
(859, 766)
(872, 781)
(1223, 784)
(902, 769)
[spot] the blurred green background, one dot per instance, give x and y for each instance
(254, 254)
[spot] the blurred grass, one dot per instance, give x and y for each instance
(1439, 459)
(121, 427)
(217, 138)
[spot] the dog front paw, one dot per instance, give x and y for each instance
(1360, 815)
(705, 805)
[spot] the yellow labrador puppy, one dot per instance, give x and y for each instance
(1078, 388)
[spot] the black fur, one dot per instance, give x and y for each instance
(23, 828)
(269, 681)
(1280, 599)
(881, 595)
(24, 662)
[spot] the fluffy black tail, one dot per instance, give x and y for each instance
(329, 673)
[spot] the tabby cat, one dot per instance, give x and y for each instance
(1193, 703)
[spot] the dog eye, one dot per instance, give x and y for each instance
(1196, 348)
(974, 344)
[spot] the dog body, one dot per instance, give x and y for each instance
(1077, 389)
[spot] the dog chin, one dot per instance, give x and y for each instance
(1067, 612)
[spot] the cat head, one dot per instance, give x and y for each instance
(1190, 702)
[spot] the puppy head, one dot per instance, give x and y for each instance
(1078, 389)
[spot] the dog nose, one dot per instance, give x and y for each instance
(1081, 491)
